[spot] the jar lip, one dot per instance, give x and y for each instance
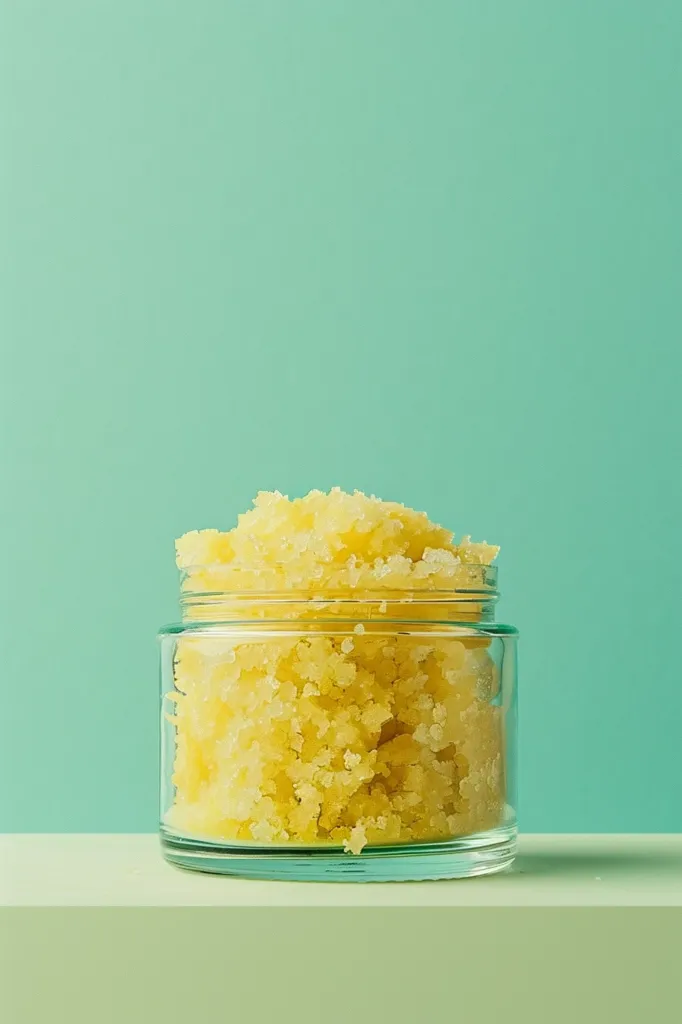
(202, 587)
(470, 578)
(313, 598)
(359, 596)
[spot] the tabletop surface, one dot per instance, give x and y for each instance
(128, 871)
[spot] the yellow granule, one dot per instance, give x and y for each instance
(343, 733)
(328, 542)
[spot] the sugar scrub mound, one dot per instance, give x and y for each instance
(334, 541)
(344, 733)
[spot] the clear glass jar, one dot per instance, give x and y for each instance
(358, 737)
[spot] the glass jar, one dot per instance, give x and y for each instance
(340, 736)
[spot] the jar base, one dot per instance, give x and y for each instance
(485, 853)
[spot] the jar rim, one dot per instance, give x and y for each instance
(472, 581)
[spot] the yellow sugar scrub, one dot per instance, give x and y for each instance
(338, 686)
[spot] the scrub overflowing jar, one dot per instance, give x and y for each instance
(338, 701)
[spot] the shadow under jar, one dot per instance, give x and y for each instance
(340, 736)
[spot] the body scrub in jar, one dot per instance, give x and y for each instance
(338, 700)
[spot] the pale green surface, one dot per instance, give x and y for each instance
(353, 966)
(430, 250)
(550, 870)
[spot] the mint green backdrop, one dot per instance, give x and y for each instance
(430, 250)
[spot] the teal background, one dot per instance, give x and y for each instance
(430, 250)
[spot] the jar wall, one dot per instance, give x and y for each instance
(346, 750)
